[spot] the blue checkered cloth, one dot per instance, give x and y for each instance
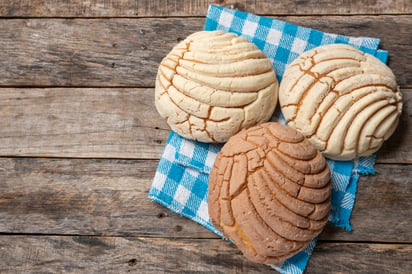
(181, 179)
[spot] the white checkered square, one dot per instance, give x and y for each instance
(329, 38)
(159, 180)
(187, 148)
(181, 195)
(347, 201)
(249, 28)
(203, 212)
(340, 181)
(298, 46)
(356, 41)
(273, 36)
(169, 153)
(226, 19)
(210, 159)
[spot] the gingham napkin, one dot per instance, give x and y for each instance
(181, 179)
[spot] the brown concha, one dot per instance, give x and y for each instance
(269, 192)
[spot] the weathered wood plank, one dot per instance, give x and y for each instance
(113, 123)
(120, 255)
(74, 254)
(360, 258)
(82, 196)
(382, 203)
(109, 197)
(127, 52)
(73, 8)
(146, 8)
(97, 53)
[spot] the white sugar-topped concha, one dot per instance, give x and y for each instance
(346, 102)
(213, 84)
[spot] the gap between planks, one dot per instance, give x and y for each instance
(10, 234)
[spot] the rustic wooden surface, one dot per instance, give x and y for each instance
(121, 52)
(154, 8)
(80, 140)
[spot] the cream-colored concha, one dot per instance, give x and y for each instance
(269, 192)
(345, 101)
(213, 84)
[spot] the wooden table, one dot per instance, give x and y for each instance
(80, 140)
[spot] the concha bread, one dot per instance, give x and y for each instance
(345, 101)
(213, 84)
(269, 192)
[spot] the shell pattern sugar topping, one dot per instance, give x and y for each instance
(345, 101)
(213, 84)
(269, 192)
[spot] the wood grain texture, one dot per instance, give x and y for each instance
(73, 8)
(82, 254)
(144, 8)
(76, 83)
(380, 199)
(85, 196)
(75, 52)
(360, 258)
(114, 123)
(109, 197)
(74, 254)
(96, 123)
(268, 7)
(127, 52)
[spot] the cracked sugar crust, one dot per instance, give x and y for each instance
(269, 192)
(213, 84)
(345, 101)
